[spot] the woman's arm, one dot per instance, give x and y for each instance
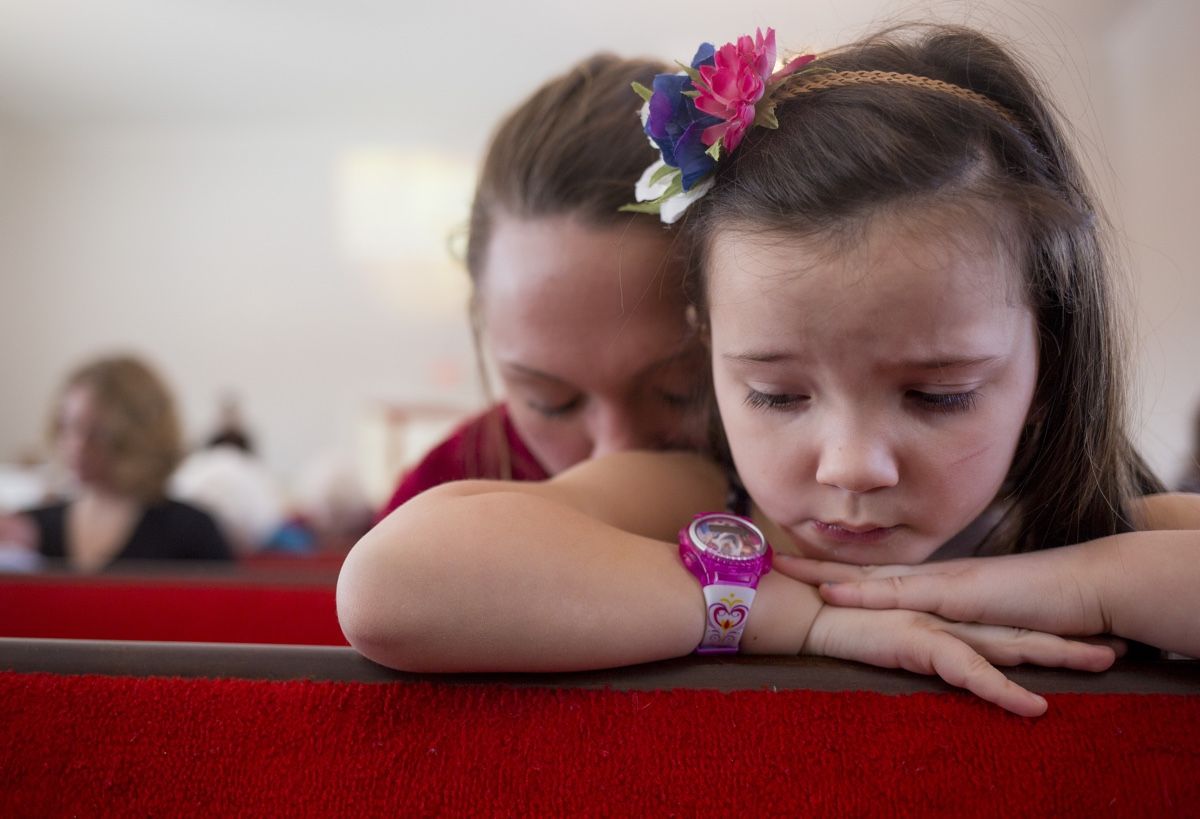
(1142, 585)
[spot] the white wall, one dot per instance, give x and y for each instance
(1153, 69)
(216, 253)
(211, 242)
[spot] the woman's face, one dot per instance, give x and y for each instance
(82, 440)
(588, 331)
(873, 398)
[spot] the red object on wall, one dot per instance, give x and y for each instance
(100, 609)
(90, 745)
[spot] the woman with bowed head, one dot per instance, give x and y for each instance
(915, 356)
(579, 306)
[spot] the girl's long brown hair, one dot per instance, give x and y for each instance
(843, 155)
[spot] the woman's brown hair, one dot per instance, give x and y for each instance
(138, 423)
(845, 154)
(574, 147)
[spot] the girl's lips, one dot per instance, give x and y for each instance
(844, 534)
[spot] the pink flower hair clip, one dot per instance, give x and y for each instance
(695, 116)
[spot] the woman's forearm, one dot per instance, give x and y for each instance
(510, 581)
(1149, 583)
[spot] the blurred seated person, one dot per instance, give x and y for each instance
(231, 429)
(228, 479)
(116, 431)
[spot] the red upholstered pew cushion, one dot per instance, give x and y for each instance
(89, 745)
(176, 610)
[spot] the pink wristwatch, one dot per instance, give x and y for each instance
(728, 554)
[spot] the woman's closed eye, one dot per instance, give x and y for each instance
(680, 399)
(560, 409)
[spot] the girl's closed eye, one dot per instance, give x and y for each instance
(949, 402)
(774, 401)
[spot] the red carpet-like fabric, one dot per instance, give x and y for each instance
(90, 745)
(184, 612)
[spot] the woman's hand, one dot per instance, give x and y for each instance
(962, 654)
(1054, 590)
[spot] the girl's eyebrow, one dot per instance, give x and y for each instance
(937, 363)
(947, 362)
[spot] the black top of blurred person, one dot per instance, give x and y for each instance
(167, 530)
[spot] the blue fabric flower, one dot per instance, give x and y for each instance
(675, 124)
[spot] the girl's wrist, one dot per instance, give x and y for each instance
(783, 616)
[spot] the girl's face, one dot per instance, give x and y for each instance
(588, 330)
(873, 399)
(81, 438)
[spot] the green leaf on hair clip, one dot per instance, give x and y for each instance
(642, 91)
(765, 117)
(676, 187)
(692, 94)
(642, 207)
(662, 173)
(714, 151)
(692, 74)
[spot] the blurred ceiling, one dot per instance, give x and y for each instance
(432, 71)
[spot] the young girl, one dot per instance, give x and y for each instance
(579, 305)
(913, 355)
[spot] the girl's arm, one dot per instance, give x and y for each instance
(1139, 585)
(583, 572)
(578, 572)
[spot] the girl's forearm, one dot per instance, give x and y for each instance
(510, 581)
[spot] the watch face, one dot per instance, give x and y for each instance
(728, 536)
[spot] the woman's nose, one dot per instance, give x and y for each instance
(618, 429)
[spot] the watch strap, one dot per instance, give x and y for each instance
(726, 607)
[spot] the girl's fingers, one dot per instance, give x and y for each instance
(916, 592)
(815, 572)
(960, 665)
(1118, 646)
(1010, 646)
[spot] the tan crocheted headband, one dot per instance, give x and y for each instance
(799, 84)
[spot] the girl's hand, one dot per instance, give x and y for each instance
(1054, 590)
(962, 654)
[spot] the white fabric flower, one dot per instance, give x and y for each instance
(674, 207)
(671, 209)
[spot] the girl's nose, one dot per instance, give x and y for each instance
(857, 460)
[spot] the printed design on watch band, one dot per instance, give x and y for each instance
(726, 614)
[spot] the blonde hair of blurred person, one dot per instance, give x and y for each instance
(115, 429)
